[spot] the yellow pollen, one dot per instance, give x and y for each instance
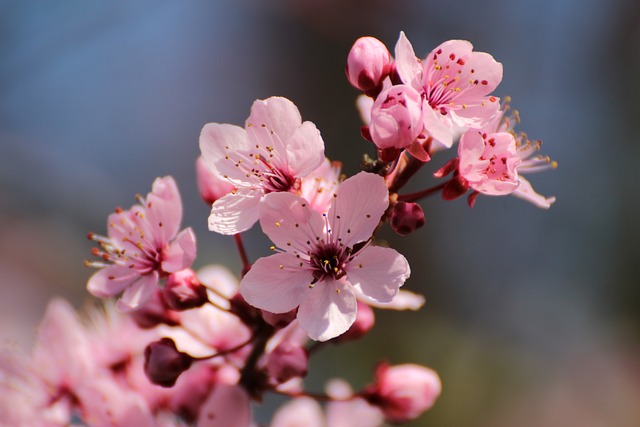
(277, 224)
(281, 266)
(272, 248)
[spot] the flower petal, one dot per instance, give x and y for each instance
(136, 295)
(328, 310)
(404, 300)
(526, 192)
(378, 272)
(111, 280)
(438, 126)
(277, 114)
(236, 212)
(181, 252)
(303, 411)
(290, 222)
(305, 150)
(276, 283)
(227, 405)
(358, 206)
(407, 64)
(164, 209)
(221, 144)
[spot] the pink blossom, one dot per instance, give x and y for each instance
(320, 185)
(368, 63)
(211, 186)
(488, 162)
(143, 244)
(271, 154)
(396, 117)
(455, 83)
(318, 267)
(403, 392)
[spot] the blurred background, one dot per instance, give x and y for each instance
(532, 316)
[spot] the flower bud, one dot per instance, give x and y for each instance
(279, 320)
(403, 392)
(183, 291)
(365, 319)
(368, 63)
(287, 361)
(211, 186)
(407, 217)
(396, 117)
(163, 363)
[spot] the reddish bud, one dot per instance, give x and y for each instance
(155, 312)
(365, 319)
(403, 392)
(163, 363)
(407, 217)
(368, 63)
(183, 291)
(455, 188)
(287, 361)
(211, 186)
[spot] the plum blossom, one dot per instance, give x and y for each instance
(455, 83)
(271, 154)
(324, 261)
(396, 117)
(143, 245)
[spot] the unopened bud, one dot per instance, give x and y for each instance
(403, 392)
(211, 186)
(368, 63)
(396, 117)
(163, 363)
(365, 319)
(287, 361)
(183, 291)
(407, 217)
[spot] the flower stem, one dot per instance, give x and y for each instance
(412, 197)
(246, 265)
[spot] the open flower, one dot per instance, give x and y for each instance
(323, 261)
(271, 154)
(143, 244)
(455, 83)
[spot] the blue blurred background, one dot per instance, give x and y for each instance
(532, 316)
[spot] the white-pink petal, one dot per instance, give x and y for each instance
(276, 283)
(526, 192)
(404, 300)
(164, 209)
(111, 280)
(136, 295)
(300, 412)
(378, 273)
(228, 406)
(328, 310)
(290, 222)
(407, 64)
(217, 141)
(358, 206)
(180, 252)
(277, 114)
(305, 150)
(236, 212)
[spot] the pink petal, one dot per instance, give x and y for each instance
(305, 150)
(302, 411)
(289, 221)
(479, 115)
(228, 406)
(438, 126)
(164, 209)
(181, 252)
(358, 206)
(136, 295)
(278, 114)
(364, 105)
(328, 310)
(276, 283)
(236, 212)
(111, 280)
(407, 64)
(526, 192)
(404, 300)
(487, 70)
(378, 272)
(217, 141)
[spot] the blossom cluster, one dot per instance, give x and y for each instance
(181, 347)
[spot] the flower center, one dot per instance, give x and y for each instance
(276, 180)
(329, 260)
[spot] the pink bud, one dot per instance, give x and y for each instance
(403, 392)
(279, 320)
(396, 117)
(287, 361)
(407, 217)
(184, 291)
(163, 363)
(365, 319)
(210, 185)
(368, 63)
